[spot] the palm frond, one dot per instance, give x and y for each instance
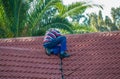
(15, 12)
(82, 28)
(56, 22)
(60, 23)
(75, 8)
(40, 11)
(96, 5)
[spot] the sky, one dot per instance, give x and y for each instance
(107, 4)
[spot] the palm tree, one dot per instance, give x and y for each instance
(52, 13)
(115, 12)
(14, 16)
(56, 14)
(46, 14)
(19, 19)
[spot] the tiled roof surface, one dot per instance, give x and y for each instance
(93, 56)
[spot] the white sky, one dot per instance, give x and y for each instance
(107, 4)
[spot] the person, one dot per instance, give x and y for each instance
(55, 43)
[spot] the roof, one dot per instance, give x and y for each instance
(93, 56)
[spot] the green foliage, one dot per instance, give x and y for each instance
(14, 18)
(107, 24)
(34, 17)
(100, 18)
(74, 9)
(45, 15)
(56, 22)
(19, 19)
(115, 12)
(80, 29)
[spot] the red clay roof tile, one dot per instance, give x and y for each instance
(93, 56)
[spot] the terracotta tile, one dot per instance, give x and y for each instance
(93, 56)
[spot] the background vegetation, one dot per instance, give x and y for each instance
(20, 18)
